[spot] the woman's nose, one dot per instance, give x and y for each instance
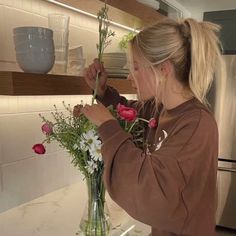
(132, 81)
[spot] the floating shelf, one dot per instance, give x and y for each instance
(19, 84)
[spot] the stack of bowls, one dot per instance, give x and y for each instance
(76, 62)
(34, 49)
(115, 64)
(59, 23)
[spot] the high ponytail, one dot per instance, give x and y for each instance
(193, 48)
(206, 59)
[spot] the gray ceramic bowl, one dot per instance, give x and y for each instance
(34, 45)
(31, 30)
(31, 62)
(34, 48)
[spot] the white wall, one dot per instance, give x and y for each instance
(23, 174)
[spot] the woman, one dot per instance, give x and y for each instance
(171, 185)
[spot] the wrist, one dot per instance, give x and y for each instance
(100, 93)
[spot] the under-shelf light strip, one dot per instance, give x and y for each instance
(89, 14)
(129, 229)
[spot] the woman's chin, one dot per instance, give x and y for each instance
(144, 98)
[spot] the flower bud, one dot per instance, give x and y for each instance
(47, 128)
(39, 148)
(152, 123)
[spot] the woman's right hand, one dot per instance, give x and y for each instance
(90, 74)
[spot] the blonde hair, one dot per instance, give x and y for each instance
(193, 48)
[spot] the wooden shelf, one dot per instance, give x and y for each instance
(126, 12)
(147, 14)
(115, 14)
(19, 83)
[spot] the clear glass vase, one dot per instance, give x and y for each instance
(95, 220)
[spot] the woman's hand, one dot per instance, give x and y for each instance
(90, 74)
(97, 114)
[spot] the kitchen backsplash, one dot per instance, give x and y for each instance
(24, 175)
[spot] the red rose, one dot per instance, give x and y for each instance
(152, 123)
(39, 148)
(126, 113)
(47, 128)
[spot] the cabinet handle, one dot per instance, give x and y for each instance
(227, 169)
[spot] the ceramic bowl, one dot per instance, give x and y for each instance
(28, 30)
(116, 60)
(34, 48)
(35, 62)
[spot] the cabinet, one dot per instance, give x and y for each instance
(227, 20)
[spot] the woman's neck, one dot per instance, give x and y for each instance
(175, 94)
(174, 101)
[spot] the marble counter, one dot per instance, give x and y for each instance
(58, 214)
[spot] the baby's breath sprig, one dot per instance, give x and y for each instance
(105, 35)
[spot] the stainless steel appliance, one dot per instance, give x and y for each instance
(222, 97)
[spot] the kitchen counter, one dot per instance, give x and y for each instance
(58, 214)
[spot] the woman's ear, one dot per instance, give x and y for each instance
(166, 68)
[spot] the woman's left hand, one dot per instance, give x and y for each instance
(97, 113)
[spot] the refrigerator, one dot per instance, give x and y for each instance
(222, 97)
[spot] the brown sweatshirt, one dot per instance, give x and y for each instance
(172, 187)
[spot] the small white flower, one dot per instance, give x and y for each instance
(95, 153)
(90, 138)
(91, 167)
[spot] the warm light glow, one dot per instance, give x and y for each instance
(130, 228)
(90, 15)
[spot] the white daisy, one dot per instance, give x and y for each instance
(95, 153)
(91, 167)
(91, 138)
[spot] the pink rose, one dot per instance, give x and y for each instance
(126, 113)
(152, 123)
(47, 128)
(39, 148)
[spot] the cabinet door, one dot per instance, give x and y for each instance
(227, 20)
(226, 181)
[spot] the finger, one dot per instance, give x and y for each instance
(95, 60)
(93, 71)
(99, 66)
(90, 75)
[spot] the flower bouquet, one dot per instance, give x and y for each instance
(80, 138)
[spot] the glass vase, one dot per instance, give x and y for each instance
(95, 220)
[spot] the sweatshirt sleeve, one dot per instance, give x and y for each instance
(149, 186)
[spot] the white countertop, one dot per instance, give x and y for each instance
(58, 214)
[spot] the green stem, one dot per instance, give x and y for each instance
(143, 120)
(131, 127)
(97, 224)
(96, 87)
